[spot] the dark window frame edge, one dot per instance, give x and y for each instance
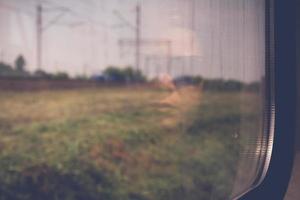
(281, 53)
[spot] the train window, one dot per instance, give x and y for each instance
(133, 99)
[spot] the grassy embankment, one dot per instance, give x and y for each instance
(119, 144)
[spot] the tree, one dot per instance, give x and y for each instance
(42, 74)
(61, 76)
(20, 64)
(114, 74)
(6, 69)
(118, 75)
(133, 75)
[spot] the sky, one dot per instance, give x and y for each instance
(224, 38)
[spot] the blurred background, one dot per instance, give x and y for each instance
(126, 99)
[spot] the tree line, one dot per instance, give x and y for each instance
(117, 75)
(18, 70)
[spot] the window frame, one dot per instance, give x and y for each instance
(281, 82)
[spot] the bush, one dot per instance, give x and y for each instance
(8, 71)
(48, 183)
(60, 76)
(46, 75)
(114, 74)
(188, 80)
(222, 85)
(42, 74)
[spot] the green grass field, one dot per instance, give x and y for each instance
(120, 144)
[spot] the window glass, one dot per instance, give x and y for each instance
(126, 99)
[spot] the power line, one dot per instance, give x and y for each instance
(166, 43)
(41, 27)
(53, 21)
(16, 9)
(38, 13)
(123, 20)
(50, 6)
(72, 11)
(137, 29)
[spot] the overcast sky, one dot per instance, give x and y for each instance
(227, 37)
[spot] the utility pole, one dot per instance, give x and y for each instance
(169, 54)
(147, 63)
(138, 36)
(137, 29)
(39, 25)
(192, 40)
(85, 66)
(40, 28)
(144, 42)
(1, 55)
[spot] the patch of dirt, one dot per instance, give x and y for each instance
(178, 103)
(173, 99)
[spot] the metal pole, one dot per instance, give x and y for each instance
(147, 70)
(138, 36)
(39, 23)
(192, 41)
(1, 55)
(169, 46)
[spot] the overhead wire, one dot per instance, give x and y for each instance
(16, 9)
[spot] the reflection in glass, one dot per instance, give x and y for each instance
(137, 100)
